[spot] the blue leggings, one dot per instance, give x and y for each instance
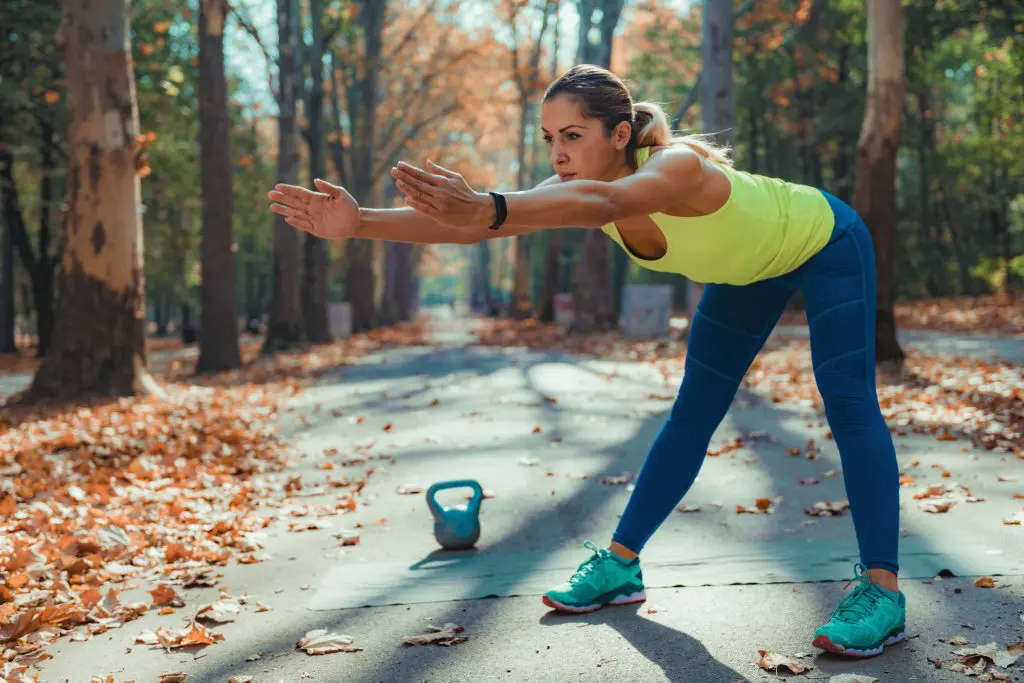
(729, 328)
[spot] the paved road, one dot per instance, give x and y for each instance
(722, 584)
(1010, 348)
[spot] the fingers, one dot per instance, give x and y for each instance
(301, 224)
(289, 211)
(291, 194)
(420, 196)
(327, 188)
(443, 171)
(408, 171)
(422, 207)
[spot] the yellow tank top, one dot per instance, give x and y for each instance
(768, 227)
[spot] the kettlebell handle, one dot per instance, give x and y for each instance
(474, 503)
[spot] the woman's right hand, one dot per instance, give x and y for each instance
(331, 213)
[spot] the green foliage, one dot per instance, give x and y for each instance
(800, 92)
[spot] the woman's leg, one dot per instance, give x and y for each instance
(729, 328)
(839, 290)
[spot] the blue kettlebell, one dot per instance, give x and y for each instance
(456, 528)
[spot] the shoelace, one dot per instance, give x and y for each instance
(862, 601)
(589, 565)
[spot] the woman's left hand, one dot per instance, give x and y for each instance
(443, 195)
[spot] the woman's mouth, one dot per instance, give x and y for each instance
(566, 176)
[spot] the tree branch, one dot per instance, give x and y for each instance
(248, 27)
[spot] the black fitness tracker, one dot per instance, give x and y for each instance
(500, 209)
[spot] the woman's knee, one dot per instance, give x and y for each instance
(849, 401)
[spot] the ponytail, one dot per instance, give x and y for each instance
(651, 129)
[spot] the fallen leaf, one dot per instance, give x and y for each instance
(958, 640)
(405, 490)
(240, 679)
(985, 582)
(438, 635)
(1016, 520)
(222, 611)
(828, 508)
(528, 461)
(174, 678)
(537, 430)
(618, 480)
(164, 594)
(991, 652)
(771, 661)
(320, 642)
(810, 481)
(852, 678)
(688, 508)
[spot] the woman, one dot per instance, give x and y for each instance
(677, 205)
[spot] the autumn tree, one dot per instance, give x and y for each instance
(314, 250)
(284, 328)
(526, 76)
(218, 339)
(33, 122)
(99, 340)
(593, 297)
(874, 194)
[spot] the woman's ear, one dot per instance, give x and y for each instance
(621, 135)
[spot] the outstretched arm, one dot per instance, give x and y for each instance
(444, 196)
(332, 213)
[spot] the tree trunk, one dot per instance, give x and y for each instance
(43, 273)
(99, 345)
(552, 270)
(717, 102)
(7, 341)
(359, 277)
(593, 299)
(398, 272)
(841, 164)
(284, 329)
(218, 340)
(40, 269)
(314, 255)
(874, 194)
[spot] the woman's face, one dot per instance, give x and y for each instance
(578, 147)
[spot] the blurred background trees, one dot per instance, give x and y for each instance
(232, 97)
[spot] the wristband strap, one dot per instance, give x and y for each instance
(500, 210)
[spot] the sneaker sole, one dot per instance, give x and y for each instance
(823, 642)
(631, 599)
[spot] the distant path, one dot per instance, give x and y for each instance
(988, 346)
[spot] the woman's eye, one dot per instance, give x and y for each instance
(572, 136)
(547, 140)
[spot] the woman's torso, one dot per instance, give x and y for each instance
(745, 229)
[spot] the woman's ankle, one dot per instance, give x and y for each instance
(622, 551)
(884, 578)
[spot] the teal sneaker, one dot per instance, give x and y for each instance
(603, 579)
(866, 622)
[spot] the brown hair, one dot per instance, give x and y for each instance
(604, 96)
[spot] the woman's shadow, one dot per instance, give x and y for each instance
(679, 656)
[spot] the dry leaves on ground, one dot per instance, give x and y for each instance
(827, 508)
(438, 635)
(976, 661)
(852, 678)
(987, 314)
(942, 497)
(99, 494)
(618, 479)
(321, 642)
(776, 663)
(760, 506)
(942, 397)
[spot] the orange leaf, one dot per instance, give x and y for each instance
(985, 582)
